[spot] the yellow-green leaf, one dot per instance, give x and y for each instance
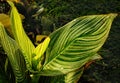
(39, 51)
(5, 20)
(14, 55)
(74, 76)
(39, 39)
(73, 45)
(14, 0)
(20, 36)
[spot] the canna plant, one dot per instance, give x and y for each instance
(61, 57)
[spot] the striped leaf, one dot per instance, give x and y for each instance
(20, 36)
(14, 54)
(71, 77)
(73, 45)
(74, 76)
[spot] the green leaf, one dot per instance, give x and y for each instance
(20, 36)
(73, 45)
(14, 54)
(74, 76)
(71, 77)
(39, 51)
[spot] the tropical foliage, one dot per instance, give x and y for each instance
(61, 56)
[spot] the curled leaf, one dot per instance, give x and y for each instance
(39, 51)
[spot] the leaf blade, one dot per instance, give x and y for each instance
(20, 36)
(39, 53)
(72, 45)
(12, 50)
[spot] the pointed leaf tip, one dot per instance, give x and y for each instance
(39, 52)
(73, 45)
(25, 44)
(40, 49)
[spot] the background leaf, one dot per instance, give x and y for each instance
(39, 39)
(72, 45)
(52, 79)
(5, 20)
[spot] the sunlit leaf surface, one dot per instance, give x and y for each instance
(20, 36)
(73, 45)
